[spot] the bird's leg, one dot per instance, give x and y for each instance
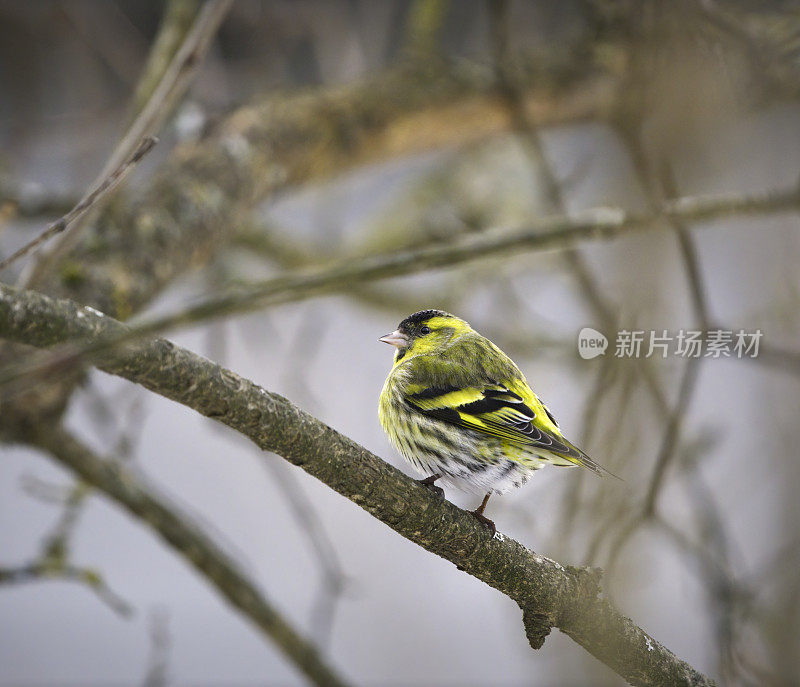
(429, 483)
(478, 513)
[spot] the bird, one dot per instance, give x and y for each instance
(459, 410)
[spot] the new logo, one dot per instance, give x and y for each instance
(591, 343)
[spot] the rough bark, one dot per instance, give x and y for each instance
(550, 595)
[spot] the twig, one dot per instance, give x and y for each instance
(658, 185)
(732, 598)
(762, 56)
(160, 644)
(36, 203)
(614, 516)
(512, 94)
(57, 542)
(306, 345)
(658, 182)
(691, 261)
(106, 185)
(591, 416)
(551, 188)
(188, 540)
(46, 569)
(333, 578)
(549, 594)
(548, 233)
(176, 78)
(268, 243)
(170, 89)
(53, 561)
(45, 491)
(176, 22)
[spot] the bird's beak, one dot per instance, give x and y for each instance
(396, 339)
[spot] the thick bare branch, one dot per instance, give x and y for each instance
(550, 595)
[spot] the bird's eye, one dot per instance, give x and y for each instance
(425, 330)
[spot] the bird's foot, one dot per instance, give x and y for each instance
(428, 483)
(482, 518)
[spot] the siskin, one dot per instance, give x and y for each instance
(460, 410)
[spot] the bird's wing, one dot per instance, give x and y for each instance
(497, 411)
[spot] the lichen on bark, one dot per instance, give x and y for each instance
(549, 594)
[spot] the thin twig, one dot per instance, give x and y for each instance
(697, 289)
(45, 491)
(53, 561)
(36, 203)
(105, 186)
(308, 520)
(591, 415)
(512, 94)
(659, 183)
(170, 89)
(177, 20)
(670, 438)
(160, 645)
(54, 570)
(176, 78)
(551, 189)
(188, 540)
(548, 233)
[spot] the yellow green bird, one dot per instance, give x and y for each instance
(458, 409)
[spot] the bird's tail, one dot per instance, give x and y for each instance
(578, 457)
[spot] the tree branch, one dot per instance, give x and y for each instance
(550, 595)
(195, 202)
(547, 233)
(176, 22)
(50, 569)
(191, 207)
(169, 90)
(138, 497)
(104, 186)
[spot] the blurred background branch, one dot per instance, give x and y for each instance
(187, 540)
(319, 148)
(548, 233)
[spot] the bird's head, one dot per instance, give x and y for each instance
(424, 332)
